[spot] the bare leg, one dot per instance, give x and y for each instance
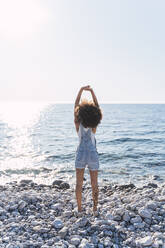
(95, 191)
(79, 183)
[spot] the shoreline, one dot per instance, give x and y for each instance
(39, 215)
(71, 179)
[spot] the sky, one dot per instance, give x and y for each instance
(51, 48)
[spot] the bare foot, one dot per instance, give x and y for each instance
(94, 208)
(79, 209)
(96, 213)
(79, 213)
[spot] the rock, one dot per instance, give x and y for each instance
(57, 206)
(75, 241)
(100, 245)
(60, 245)
(3, 212)
(145, 213)
(41, 229)
(36, 228)
(26, 181)
(64, 185)
(163, 192)
(10, 246)
(146, 241)
(94, 240)
(115, 246)
(126, 216)
(57, 182)
(148, 221)
(63, 232)
(95, 227)
(136, 219)
(157, 244)
(82, 222)
(44, 230)
(126, 186)
(21, 205)
(108, 242)
(158, 235)
(6, 239)
(151, 205)
(131, 228)
(126, 199)
(85, 244)
(35, 223)
(68, 213)
(118, 211)
(108, 233)
(139, 225)
(155, 228)
(11, 207)
(58, 224)
(117, 217)
(61, 184)
(105, 227)
(161, 198)
(152, 185)
(109, 216)
(162, 212)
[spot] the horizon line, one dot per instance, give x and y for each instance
(69, 102)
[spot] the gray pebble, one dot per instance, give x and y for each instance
(58, 224)
(145, 213)
(63, 232)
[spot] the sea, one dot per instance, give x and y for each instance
(38, 142)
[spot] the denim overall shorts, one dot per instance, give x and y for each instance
(86, 153)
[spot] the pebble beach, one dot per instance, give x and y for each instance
(38, 215)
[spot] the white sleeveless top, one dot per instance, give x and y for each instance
(86, 129)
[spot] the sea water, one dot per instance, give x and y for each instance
(38, 141)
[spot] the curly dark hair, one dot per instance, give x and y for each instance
(88, 114)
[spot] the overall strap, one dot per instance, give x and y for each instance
(83, 132)
(86, 136)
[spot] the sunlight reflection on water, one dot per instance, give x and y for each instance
(18, 118)
(19, 115)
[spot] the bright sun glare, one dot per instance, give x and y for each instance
(20, 114)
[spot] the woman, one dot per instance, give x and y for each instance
(87, 116)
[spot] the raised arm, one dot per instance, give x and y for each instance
(78, 98)
(94, 97)
(79, 95)
(77, 101)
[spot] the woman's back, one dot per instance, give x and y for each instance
(83, 130)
